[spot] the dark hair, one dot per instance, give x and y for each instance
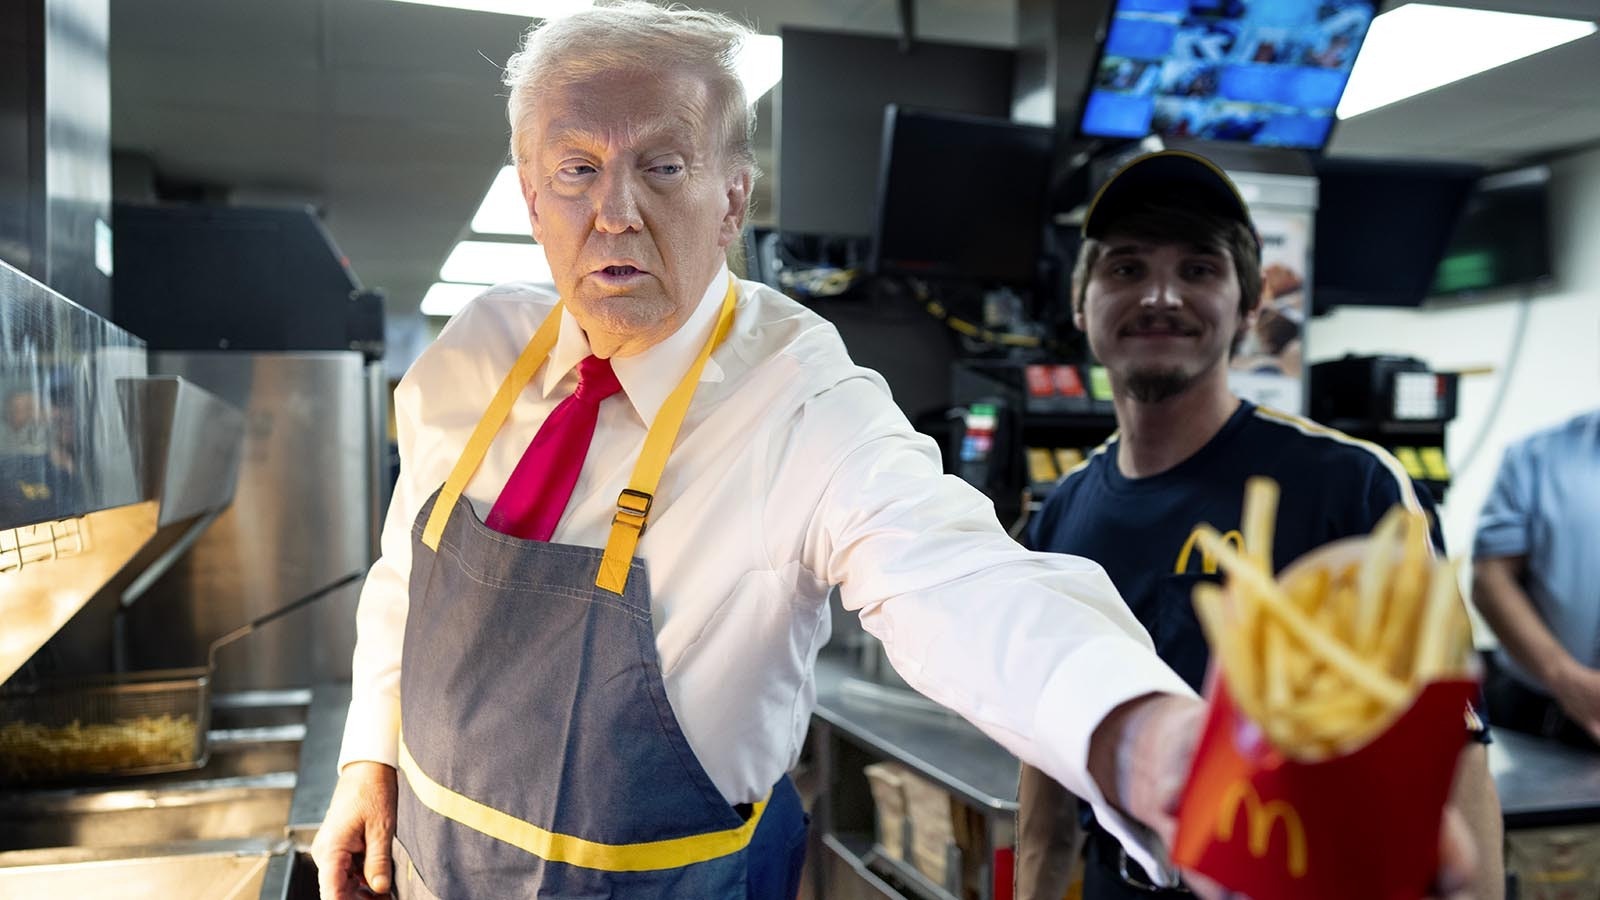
(1181, 225)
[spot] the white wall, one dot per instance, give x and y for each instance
(1557, 374)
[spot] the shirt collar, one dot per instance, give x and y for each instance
(647, 378)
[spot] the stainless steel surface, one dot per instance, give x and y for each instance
(1543, 782)
(252, 700)
(77, 150)
(121, 724)
(1539, 781)
(279, 875)
(55, 143)
(301, 517)
(204, 835)
(65, 448)
(245, 807)
(319, 761)
(940, 745)
(857, 689)
(188, 448)
(291, 876)
(377, 438)
(181, 445)
(846, 876)
(243, 792)
(49, 571)
(229, 871)
(277, 613)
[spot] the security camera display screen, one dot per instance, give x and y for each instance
(1267, 72)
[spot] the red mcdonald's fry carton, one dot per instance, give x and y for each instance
(1364, 824)
(1338, 710)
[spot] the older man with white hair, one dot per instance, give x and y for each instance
(620, 513)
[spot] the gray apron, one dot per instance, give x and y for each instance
(539, 756)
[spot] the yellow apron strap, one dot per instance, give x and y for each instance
(522, 372)
(633, 504)
(671, 853)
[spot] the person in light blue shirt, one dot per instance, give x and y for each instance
(1536, 579)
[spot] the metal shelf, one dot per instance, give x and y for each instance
(843, 852)
(876, 861)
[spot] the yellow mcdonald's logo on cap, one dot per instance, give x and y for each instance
(1208, 563)
(1259, 818)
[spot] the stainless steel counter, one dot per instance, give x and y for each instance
(939, 744)
(1540, 782)
(319, 761)
(290, 875)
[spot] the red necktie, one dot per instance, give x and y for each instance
(533, 499)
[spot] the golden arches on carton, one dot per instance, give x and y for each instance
(1259, 818)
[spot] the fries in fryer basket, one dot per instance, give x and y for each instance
(30, 751)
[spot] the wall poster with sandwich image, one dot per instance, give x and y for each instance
(1268, 360)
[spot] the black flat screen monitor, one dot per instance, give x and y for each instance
(1266, 72)
(1503, 238)
(961, 197)
(1381, 229)
(829, 116)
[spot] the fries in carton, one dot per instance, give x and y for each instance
(1338, 694)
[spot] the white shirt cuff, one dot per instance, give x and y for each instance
(1075, 700)
(372, 732)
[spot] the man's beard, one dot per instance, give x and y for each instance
(1156, 385)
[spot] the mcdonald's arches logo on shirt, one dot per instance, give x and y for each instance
(1208, 563)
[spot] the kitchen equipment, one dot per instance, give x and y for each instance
(314, 450)
(106, 476)
(1381, 389)
(120, 724)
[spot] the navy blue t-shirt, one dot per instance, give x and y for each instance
(1140, 529)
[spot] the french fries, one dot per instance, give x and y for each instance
(1325, 657)
(30, 751)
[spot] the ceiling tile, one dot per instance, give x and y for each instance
(269, 86)
(392, 113)
(382, 34)
(276, 30)
(1564, 127)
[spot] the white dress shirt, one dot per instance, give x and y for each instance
(794, 471)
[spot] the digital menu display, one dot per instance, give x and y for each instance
(1266, 72)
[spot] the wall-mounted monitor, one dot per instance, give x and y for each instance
(1382, 228)
(829, 114)
(1264, 72)
(1503, 237)
(961, 196)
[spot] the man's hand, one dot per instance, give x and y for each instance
(1140, 755)
(352, 849)
(1577, 688)
(1142, 767)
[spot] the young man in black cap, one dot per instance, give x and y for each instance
(1168, 277)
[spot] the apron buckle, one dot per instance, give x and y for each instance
(633, 508)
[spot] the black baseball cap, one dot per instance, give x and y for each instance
(1166, 178)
